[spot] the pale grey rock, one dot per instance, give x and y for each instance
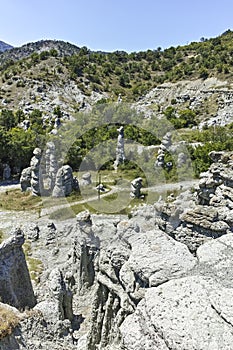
(120, 149)
(85, 251)
(51, 165)
(135, 260)
(156, 258)
(136, 186)
(58, 305)
(182, 159)
(32, 232)
(25, 179)
(164, 147)
(215, 258)
(185, 314)
(64, 182)
(15, 283)
(86, 179)
(6, 172)
(36, 184)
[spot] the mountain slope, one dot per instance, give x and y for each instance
(4, 47)
(51, 73)
(18, 53)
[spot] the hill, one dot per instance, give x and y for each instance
(52, 65)
(18, 53)
(4, 47)
(191, 85)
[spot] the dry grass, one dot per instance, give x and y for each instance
(8, 321)
(17, 200)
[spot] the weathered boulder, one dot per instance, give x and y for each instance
(136, 186)
(25, 179)
(64, 182)
(15, 283)
(215, 259)
(86, 179)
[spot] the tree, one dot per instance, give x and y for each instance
(7, 119)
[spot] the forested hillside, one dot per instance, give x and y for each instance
(42, 81)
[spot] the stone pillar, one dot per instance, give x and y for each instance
(120, 149)
(35, 172)
(51, 165)
(136, 186)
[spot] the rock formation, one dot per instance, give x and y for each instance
(86, 179)
(25, 179)
(120, 149)
(58, 305)
(164, 147)
(159, 280)
(6, 172)
(15, 283)
(136, 186)
(64, 182)
(86, 247)
(51, 165)
(35, 172)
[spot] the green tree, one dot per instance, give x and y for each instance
(7, 119)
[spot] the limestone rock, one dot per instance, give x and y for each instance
(215, 259)
(51, 165)
(64, 182)
(186, 314)
(120, 151)
(135, 260)
(59, 304)
(25, 179)
(15, 283)
(156, 258)
(136, 186)
(86, 179)
(35, 172)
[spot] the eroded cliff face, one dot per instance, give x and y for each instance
(15, 283)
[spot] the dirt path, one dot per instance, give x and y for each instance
(183, 185)
(10, 219)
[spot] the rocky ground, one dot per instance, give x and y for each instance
(160, 279)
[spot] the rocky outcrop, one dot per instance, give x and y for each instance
(120, 149)
(139, 257)
(58, 305)
(51, 165)
(64, 182)
(159, 280)
(35, 172)
(85, 251)
(185, 314)
(25, 179)
(15, 283)
(207, 213)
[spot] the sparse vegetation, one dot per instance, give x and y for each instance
(8, 321)
(35, 266)
(17, 200)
